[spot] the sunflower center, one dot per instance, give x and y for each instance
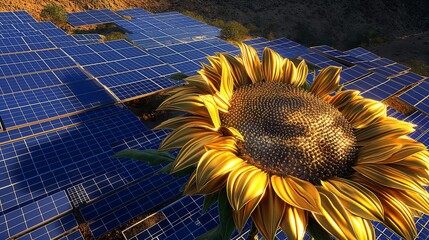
(289, 131)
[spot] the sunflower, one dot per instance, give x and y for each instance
(287, 154)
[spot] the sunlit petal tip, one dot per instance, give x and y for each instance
(212, 108)
(356, 198)
(251, 62)
(289, 71)
(268, 214)
(301, 74)
(326, 81)
(294, 222)
(241, 216)
(271, 65)
(296, 192)
(214, 164)
(334, 218)
(240, 186)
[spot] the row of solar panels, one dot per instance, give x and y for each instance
(64, 135)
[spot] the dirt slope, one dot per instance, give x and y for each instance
(397, 29)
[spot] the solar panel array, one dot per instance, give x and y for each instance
(62, 119)
(92, 17)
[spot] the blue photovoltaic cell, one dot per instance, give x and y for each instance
(418, 96)
(183, 220)
(43, 164)
(383, 91)
(39, 128)
(362, 53)
(352, 73)
(33, 214)
(70, 75)
(134, 12)
(135, 89)
(92, 17)
(141, 205)
(53, 229)
(319, 60)
(76, 235)
(255, 41)
(27, 82)
(35, 105)
(366, 82)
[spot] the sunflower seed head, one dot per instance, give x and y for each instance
(289, 131)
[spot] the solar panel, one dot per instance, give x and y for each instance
(134, 12)
(418, 96)
(319, 60)
(54, 229)
(362, 53)
(75, 235)
(33, 214)
(27, 82)
(352, 73)
(63, 130)
(92, 17)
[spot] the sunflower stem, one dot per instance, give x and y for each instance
(316, 231)
(253, 233)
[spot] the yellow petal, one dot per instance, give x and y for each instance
(361, 113)
(288, 71)
(251, 62)
(356, 198)
(179, 137)
(397, 216)
(388, 128)
(214, 164)
(177, 122)
(334, 218)
(389, 177)
(363, 228)
(221, 102)
(215, 62)
(192, 151)
(187, 103)
(211, 106)
(418, 160)
(200, 81)
(211, 187)
(271, 65)
(211, 76)
(344, 98)
(241, 216)
(227, 82)
(420, 175)
(326, 81)
(238, 71)
(268, 214)
(419, 202)
(296, 192)
(244, 184)
(378, 151)
(294, 222)
(301, 74)
(226, 143)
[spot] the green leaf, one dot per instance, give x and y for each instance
(212, 234)
(306, 86)
(178, 76)
(209, 200)
(316, 231)
(227, 225)
(151, 156)
(167, 169)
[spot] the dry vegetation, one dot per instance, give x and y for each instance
(394, 29)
